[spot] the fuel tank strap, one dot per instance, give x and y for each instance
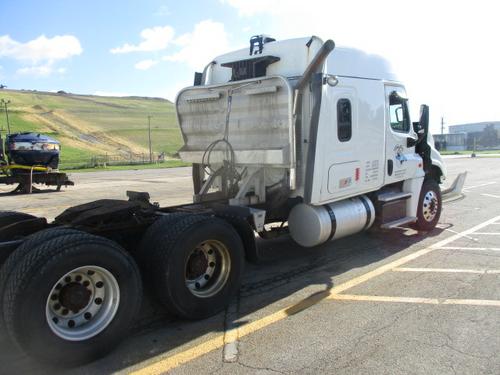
(333, 220)
(368, 211)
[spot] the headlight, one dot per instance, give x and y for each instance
(20, 146)
(39, 146)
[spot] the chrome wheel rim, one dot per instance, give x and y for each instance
(430, 206)
(207, 268)
(82, 303)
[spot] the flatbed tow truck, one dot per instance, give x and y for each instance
(30, 159)
(297, 133)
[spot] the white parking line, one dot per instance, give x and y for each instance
(480, 185)
(491, 196)
(487, 233)
(468, 237)
(471, 248)
(445, 270)
(430, 301)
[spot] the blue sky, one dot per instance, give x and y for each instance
(99, 27)
(446, 52)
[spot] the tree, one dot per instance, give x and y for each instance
(489, 136)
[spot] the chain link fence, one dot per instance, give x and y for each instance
(105, 160)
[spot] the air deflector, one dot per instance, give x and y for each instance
(250, 68)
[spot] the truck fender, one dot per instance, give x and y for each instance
(246, 233)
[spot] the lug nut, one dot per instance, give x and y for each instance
(54, 297)
(87, 316)
(71, 323)
(58, 286)
(197, 285)
(207, 277)
(210, 251)
(90, 272)
(55, 320)
(78, 278)
(98, 301)
(99, 284)
(86, 283)
(211, 264)
(67, 279)
(57, 306)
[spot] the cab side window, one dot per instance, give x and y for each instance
(398, 112)
(344, 120)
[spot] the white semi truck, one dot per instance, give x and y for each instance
(286, 137)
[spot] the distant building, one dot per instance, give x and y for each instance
(451, 142)
(473, 127)
(474, 135)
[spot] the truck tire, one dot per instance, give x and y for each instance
(71, 299)
(29, 244)
(196, 265)
(149, 238)
(429, 206)
(11, 217)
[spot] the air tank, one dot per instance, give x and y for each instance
(313, 225)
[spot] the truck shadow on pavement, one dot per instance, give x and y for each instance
(286, 269)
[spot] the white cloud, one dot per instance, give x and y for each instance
(41, 52)
(59, 47)
(154, 39)
(207, 40)
(40, 70)
(145, 64)
(249, 8)
(163, 10)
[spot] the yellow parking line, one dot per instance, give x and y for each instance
(168, 363)
(445, 270)
(430, 301)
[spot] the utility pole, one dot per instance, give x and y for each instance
(442, 125)
(149, 136)
(5, 102)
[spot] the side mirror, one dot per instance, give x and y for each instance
(423, 122)
(410, 142)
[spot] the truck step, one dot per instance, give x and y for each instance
(393, 196)
(399, 222)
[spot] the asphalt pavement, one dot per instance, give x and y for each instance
(397, 302)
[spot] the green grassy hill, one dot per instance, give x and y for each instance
(89, 125)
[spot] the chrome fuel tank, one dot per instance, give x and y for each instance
(313, 225)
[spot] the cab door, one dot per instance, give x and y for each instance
(402, 162)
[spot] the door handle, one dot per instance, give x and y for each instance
(390, 167)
